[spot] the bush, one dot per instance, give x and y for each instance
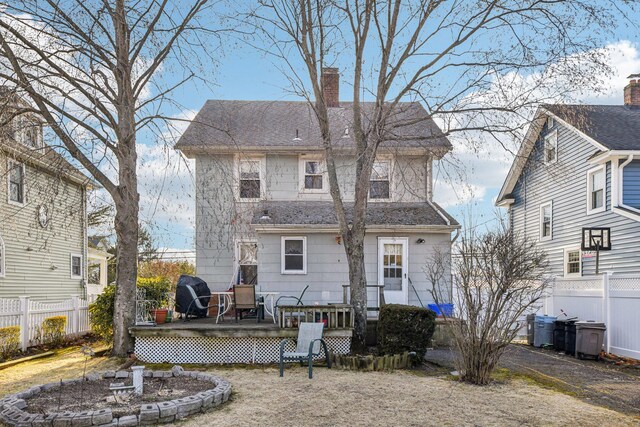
(9, 341)
(405, 328)
(101, 311)
(53, 330)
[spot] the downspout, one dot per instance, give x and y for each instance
(620, 197)
(85, 243)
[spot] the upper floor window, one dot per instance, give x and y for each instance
(595, 190)
(26, 132)
(380, 180)
(546, 220)
(551, 147)
(572, 262)
(16, 182)
(76, 266)
(551, 122)
(312, 175)
(294, 255)
(250, 179)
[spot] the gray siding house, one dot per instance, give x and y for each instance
(579, 166)
(264, 214)
(43, 206)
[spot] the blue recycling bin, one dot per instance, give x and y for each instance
(441, 309)
(543, 334)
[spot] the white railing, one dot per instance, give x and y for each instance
(613, 299)
(29, 315)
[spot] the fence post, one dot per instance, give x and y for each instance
(24, 323)
(75, 322)
(606, 308)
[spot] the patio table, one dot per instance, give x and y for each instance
(225, 302)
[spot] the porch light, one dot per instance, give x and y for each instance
(420, 241)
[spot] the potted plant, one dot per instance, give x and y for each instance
(159, 315)
(157, 290)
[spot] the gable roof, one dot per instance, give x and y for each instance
(616, 127)
(319, 214)
(606, 127)
(270, 125)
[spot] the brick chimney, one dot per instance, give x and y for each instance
(330, 82)
(632, 91)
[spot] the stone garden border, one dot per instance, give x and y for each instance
(12, 407)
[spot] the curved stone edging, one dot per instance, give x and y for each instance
(12, 407)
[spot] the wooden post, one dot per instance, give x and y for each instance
(24, 323)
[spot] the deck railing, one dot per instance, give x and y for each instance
(334, 316)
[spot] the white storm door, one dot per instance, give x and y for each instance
(393, 260)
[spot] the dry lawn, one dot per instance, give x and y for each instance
(336, 397)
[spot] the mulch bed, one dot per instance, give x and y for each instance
(92, 395)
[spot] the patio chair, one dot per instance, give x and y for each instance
(244, 299)
(297, 299)
(307, 346)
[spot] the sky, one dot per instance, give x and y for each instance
(243, 73)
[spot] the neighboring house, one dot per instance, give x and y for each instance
(97, 265)
(264, 214)
(43, 206)
(579, 166)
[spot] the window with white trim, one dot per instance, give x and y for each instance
(26, 131)
(550, 122)
(250, 179)
(2, 257)
(76, 266)
(294, 255)
(596, 190)
(247, 263)
(551, 147)
(380, 183)
(312, 175)
(572, 262)
(16, 182)
(546, 221)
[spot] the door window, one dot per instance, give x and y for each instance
(392, 266)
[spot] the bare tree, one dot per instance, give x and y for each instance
(499, 277)
(460, 59)
(92, 69)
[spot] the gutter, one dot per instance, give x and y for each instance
(630, 210)
(314, 228)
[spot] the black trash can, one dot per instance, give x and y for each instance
(558, 334)
(570, 337)
(531, 320)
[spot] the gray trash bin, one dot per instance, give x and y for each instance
(589, 338)
(543, 330)
(531, 320)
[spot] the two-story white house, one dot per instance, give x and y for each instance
(264, 214)
(43, 206)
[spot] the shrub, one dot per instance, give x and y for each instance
(53, 330)
(405, 328)
(101, 311)
(9, 341)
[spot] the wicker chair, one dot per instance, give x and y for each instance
(307, 346)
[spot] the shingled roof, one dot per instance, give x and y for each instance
(617, 127)
(239, 125)
(386, 214)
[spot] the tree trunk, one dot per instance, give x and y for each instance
(354, 247)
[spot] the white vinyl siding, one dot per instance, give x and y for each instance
(294, 255)
(1, 257)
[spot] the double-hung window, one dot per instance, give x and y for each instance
(16, 182)
(596, 190)
(551, 147)
(250, 185)
(572, 263)
(76, 266)
(380, 180)
(546, 221)
(294, 255)
(312, 175)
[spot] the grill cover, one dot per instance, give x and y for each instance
(188, 289)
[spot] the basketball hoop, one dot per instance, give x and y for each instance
(596, 239)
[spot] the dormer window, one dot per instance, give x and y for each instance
(551, 147)
(26, 132)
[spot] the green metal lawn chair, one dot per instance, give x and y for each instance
(307, 346)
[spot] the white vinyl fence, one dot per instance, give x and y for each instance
(29, 315)
(613, 299)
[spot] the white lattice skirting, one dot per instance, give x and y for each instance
(221, 349)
